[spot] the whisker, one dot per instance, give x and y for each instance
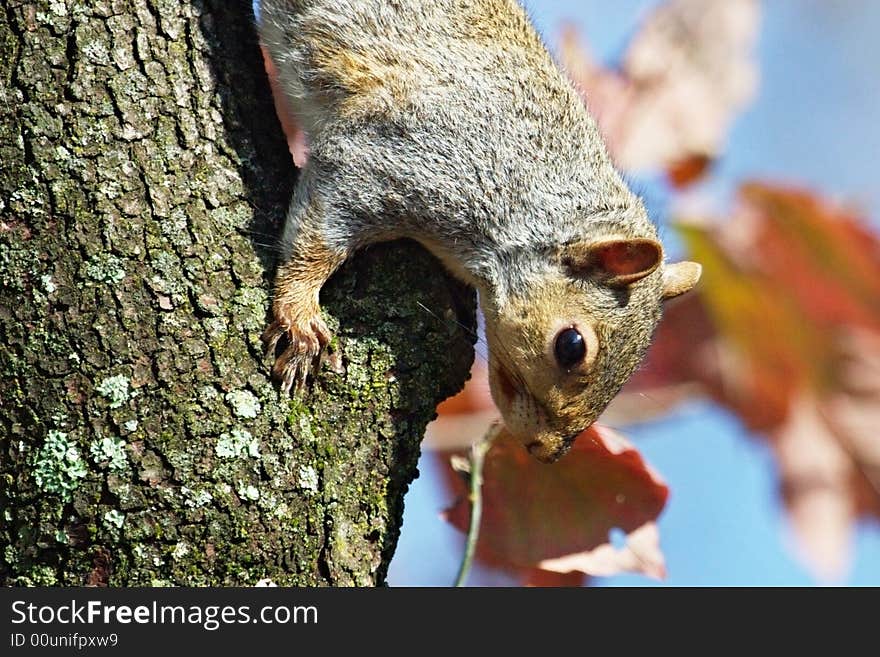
(267, 246)
(510, 367)
(465, 328)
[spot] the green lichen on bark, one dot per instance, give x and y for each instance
(142, 185)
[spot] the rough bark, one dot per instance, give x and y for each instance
(143, 182)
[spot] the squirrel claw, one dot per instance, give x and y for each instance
(301, 355)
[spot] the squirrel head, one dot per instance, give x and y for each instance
(563, 348)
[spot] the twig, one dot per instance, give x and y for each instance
(478, 456)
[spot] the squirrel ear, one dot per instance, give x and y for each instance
(680, 277)
(616, 262)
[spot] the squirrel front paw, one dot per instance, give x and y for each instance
(302, 345)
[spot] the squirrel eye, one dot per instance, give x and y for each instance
(570, 348)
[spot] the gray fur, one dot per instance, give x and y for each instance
(472, 142)
(495, 156)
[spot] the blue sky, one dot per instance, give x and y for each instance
(814, 123)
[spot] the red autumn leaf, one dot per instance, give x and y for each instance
(547, 578)
(783, 281)
(785, 331)
(822, 256)
(559, 518)
(685, 75)
(640, 554)
(685, 172)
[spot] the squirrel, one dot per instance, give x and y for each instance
(449, 123)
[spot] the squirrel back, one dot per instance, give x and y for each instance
(447, 121)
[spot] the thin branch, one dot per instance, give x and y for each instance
(478, 457)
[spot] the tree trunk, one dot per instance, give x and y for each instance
(143, 181)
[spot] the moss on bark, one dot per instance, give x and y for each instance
(143, 182)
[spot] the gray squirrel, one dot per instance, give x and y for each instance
(447, 122)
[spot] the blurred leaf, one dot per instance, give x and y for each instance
(684, 172)
(559, 518)
(816, 474)
(785, 331)
(783, 281)
(546, 578)
(685, 75)
(822, 256)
